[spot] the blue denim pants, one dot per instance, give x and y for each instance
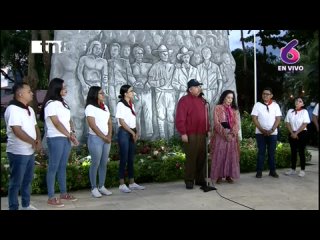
(21, 175)
(59, 150)
(127, 150)
(99, 151)
(263, 143)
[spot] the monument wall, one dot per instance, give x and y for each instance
(157, 63)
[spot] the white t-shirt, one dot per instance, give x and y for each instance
(266, 118)
(17, 116)
(296, 120)
(56, 108)
(316, 110)
(101, 118)
(126, 114)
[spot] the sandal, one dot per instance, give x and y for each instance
(219, 180)
(229, 180)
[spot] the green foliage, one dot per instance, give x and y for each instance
(159, 164)
(247, 125)
(248, 156)
(248, 128)
(3, 131)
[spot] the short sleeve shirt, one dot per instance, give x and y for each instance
(56, 108)
(17, 116)
(100, 116)
(266, 117)
(125, 113)
(296, 119)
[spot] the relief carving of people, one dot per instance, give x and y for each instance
(92, 69)
(160, 77)
(112, 58)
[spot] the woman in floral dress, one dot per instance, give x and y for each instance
(225, 151)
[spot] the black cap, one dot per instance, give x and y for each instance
(194, 83)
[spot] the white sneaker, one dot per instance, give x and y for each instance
(30, 207)
(301, 173)
(95, 193)
(104, 191)
(135, 186)
(290, 172)
(123, 188)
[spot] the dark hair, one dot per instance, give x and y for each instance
(124, 89)
(16, 87)
(53, 93)
(294, 102)
(267, 89)
(223, 96)
(92, 97)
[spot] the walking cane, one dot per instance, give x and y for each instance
(207, 188)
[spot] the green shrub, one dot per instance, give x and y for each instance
(248, 156)
(162, 161)
(248, 128)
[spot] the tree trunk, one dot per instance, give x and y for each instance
(46, 55)
(32, 77)
(245, 67)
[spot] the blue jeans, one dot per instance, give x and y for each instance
(59, 149)
(21, 175)
(127, 150)
(99, 151)
(264, 142)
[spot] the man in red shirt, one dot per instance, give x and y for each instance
(192, 122)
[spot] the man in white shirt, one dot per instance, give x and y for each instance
(266, 116)
(23, 139)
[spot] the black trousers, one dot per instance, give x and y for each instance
(298, 145)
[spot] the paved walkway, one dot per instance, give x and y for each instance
(286, 192)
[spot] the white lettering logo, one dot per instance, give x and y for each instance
(49, 46)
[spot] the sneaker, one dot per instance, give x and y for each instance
(68, 197)
(273, 174)
(104, 191)
(135, 186)
(123, 188)
(95, 193)
(55, 202)
(30, 207)
(301, 173)
(290, 172)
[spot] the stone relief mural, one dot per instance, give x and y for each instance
(157, 63)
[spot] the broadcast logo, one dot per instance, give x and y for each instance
(290, 55)
(49, 46)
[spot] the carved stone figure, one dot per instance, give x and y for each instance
(143, 104)
(94, 57)
(160, 77)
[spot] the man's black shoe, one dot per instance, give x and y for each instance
(189, 185)
(259, 175)
(201, 183)
(274, 174)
